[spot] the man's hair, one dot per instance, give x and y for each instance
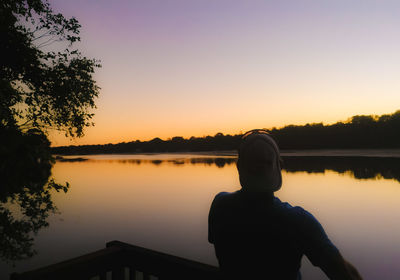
(250, 136)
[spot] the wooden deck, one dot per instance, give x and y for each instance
(123, 261)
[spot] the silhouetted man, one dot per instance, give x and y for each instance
(256, 236)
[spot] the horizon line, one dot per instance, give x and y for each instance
(240, 132)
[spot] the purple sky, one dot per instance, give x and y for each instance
(201, 67)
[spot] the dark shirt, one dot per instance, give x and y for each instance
(257, 235)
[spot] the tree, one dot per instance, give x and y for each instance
(39, 87)
(45, 83)
(25, 182)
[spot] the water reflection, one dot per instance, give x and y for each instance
(25, 193)
(356, 167)
(155, 201)
(207, 161)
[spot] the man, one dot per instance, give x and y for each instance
(255, 235)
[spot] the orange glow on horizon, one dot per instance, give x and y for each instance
(105, 132)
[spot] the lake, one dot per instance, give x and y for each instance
(161, 202)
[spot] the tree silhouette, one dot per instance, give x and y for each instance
(357, 132)
(42, 88)
(25, 193)
(45, 83)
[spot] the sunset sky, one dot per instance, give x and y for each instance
(198, 67)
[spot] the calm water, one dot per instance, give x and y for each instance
(162, 203)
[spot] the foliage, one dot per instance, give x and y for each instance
(358, 132)
(25, 193)
(39, 87)
(45, 83)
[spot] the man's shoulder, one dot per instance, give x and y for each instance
(296, 212)
(287, 207)
(225, 196)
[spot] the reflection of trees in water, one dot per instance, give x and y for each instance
(25, 192)
(156, 162)
(360, 167)
(208, 161)
(218, 161)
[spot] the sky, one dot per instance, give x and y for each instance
(199, 67)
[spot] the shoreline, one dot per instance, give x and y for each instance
(376, 153)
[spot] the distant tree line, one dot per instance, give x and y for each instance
(361, 131)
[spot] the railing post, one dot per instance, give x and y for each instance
(118, 273)
(132, 273)
(103, 275)
(146, 276)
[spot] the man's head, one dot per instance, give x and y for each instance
(259, 162)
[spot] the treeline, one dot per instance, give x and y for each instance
(366, 131)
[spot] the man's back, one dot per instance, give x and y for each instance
(255, 234)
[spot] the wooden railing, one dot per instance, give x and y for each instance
(122, 261)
